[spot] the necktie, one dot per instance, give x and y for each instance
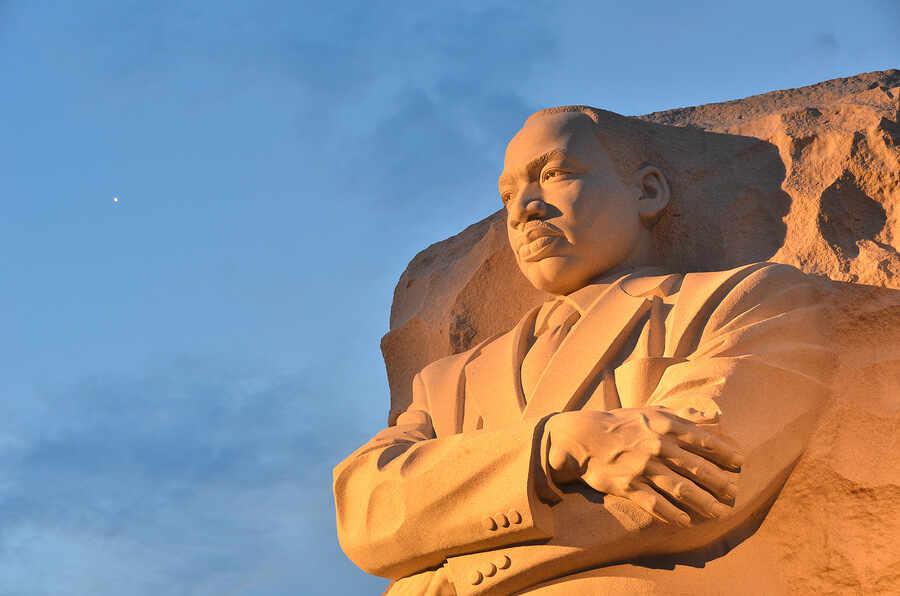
(560, 318)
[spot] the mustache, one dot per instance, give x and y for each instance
(535, 228)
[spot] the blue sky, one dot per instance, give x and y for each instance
(181, 369)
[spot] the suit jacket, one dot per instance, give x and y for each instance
(458, 483)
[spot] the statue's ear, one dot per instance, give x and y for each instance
(655, 193)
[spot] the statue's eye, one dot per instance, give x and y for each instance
(507, 196)
(548, 174)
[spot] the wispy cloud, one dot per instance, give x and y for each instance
(279, 164)
(824, 44)
(385, 95)
(200, 477)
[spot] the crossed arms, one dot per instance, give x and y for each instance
(581, 489)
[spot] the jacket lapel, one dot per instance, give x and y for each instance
(590, 346)
(493, 379)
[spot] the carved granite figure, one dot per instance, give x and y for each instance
(635, 415)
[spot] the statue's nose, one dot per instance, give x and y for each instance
(527, 205)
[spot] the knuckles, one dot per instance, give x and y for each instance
(652, 446)
(617, 451)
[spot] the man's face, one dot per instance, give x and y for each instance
(569, 217)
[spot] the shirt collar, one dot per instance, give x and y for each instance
(585, 297)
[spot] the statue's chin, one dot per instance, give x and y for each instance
(554, 275)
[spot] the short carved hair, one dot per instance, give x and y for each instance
(630, 143)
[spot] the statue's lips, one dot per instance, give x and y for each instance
(537, 249)
(539, 240)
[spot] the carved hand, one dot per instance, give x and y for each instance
(654, 456)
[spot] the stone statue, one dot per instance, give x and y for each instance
(636, 416)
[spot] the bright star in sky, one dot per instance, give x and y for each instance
(235, 356)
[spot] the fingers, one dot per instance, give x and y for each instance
(705, 445)
(683, 492)
(667, 493)
(684, 430)
(658, 458)
(668, 497)
(656, 505)
(700, 470)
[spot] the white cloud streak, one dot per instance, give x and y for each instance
(200, 477)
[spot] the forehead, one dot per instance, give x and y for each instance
(572, 132)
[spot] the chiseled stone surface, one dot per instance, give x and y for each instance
(839, 143)
(806, 177)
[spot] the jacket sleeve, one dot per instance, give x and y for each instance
(751, 347)
(762, 361)
(407, 500)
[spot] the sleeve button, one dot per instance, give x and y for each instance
(488, 569)
(514, 516)
(501, 520)
(475, 578)
(504, 562)
(489, 523)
